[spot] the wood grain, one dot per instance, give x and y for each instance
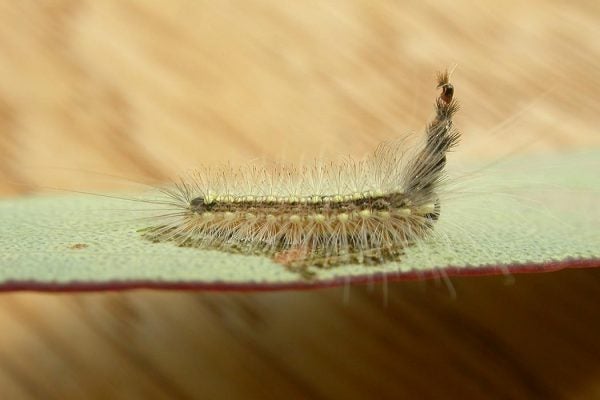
(146, 89)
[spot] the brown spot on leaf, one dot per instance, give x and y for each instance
(78, 246)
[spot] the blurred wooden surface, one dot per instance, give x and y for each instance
(145, 89)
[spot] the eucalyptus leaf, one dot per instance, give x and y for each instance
(534, 214)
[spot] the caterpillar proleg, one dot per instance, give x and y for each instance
(323, 215)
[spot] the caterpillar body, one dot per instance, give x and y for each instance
(322, 215)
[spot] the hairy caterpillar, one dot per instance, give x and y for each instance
(324, 215)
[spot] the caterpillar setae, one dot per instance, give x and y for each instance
(321, 215)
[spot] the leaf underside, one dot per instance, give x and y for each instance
(532, 215)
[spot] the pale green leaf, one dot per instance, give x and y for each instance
(539, 213)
